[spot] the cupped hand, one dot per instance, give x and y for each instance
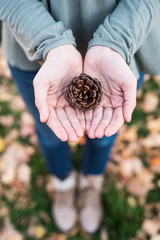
(61, 65)
(119, 91)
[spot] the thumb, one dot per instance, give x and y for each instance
(40, 92)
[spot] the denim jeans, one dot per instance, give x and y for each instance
(56, 153)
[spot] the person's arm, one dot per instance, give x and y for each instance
(41, 36)
(127, 26)
(33, 27)
(109, 54)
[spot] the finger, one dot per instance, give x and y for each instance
(115, 123)
(40, 93)
(88, 118)
(62, 117)
(80, 115)
(55, 125)
(129, 103)
(106, 118)
(97, 116)
(73, 119)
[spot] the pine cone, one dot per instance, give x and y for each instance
(84, 92)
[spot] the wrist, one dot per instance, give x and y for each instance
(61, 49)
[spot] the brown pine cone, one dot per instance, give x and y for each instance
(84, 92)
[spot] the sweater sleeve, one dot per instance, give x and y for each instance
(125, 29)
(33, 27)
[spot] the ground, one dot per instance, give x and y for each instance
(131, 191)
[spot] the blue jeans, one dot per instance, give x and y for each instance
(57, 153)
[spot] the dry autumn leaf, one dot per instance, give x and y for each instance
(152, 141)
(128, 167)
(141, 184)
(7, 121)
(36, 231)
(155, 164)
(130, 134)
(154, 125)
(9, 233)
(27, 125)
(150, 102)
(11, 136)
(57, 236)
(131, 201)
(151, 226)
(104, 234)
(156, 237)
(24, 173)
(17, 104)
(2, 145)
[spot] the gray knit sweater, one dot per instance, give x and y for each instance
(131, 27)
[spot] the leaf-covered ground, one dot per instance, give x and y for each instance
(131, 191)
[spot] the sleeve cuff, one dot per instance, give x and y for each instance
(57, 44)
(116, 47)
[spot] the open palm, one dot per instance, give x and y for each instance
(61, 65)
(119, 91)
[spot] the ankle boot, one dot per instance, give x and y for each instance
(63, 207)
(90, 202)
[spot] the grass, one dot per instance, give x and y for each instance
(121, 219)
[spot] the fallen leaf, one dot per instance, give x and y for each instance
(141, 184)
(5, 95)
(155, 164)
(24, 173)
(147, 77)
(57, 236)
(154, 125)
(104, 234)
(152, 141)
(11, 136)
(33, 140)
(111, 168)
(27, 125)
(26, 118)
(152, 210)
(49, 186)
(158, 183)
(130, 134)
(17, 104)
(40, 231)
(2, 145)
(131, 201)
(14, 156)
(151, 226)
(82, 140)
(156, 237)
(140, 235)
(36, 231)
(45, 217)
(74, 231)
(157, 78)
(85, 235)
(16, 153)
(7, 121)
(8, 175)
(128, 167)
(26, 131)
(150, 102)
(3, 211)
(9, 233)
